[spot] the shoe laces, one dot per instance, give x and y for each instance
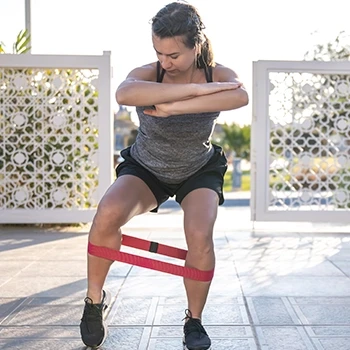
(193, 324)
(92, 312)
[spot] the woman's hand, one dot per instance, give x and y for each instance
(212, 88)
(162, 110)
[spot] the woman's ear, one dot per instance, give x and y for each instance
(198, 50)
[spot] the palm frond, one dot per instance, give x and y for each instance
(22, 44)
(2, 45)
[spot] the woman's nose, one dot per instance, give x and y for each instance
(166, 63)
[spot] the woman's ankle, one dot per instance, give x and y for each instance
(95, 296)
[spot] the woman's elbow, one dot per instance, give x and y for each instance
(120, 97)
(241, 99)
(244, 98)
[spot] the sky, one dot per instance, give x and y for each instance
(241, 32)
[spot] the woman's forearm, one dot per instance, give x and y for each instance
(147, 93)
(221, 101)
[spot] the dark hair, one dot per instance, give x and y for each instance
(182, 19)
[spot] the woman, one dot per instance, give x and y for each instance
(178, 100)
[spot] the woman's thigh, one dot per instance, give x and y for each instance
(126, 197)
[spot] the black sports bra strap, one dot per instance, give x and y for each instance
(208, 74)
(160, 73)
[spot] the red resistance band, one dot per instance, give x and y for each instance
(148, 263)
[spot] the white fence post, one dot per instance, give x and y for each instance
(55, 137)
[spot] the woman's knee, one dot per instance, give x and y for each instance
(199, 240)
(110, 214)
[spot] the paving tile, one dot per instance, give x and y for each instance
(67, 269)
(325, 331)
(323, 313)
(126, 338)
(63, 301)
(295, 286)
(274, 311)
(72, 254)
(160, 285)
(285, 255)
(119, 269)
(165, 344)
(4, 280)
(10, 268)
(320, 300)
(213, 299)
(8, 305)
(69, 241)
(133, 311)
(317, 267)
(113, 284)
(326, 314)
(330, 337)
(39, 332)
(223, 285)
(226, 314)
(344, 266)
(278, 338)
(22, 254)
(47, 286)
(223, 299)
(332, 343)
(52, 315)
(345, 242)
(173, 300)
(341, 255)
(233, 344)
(214, 331)
(55, 269)
(166, 331)
(217, 344)
(170, 314)
(276, 241)
(225, 268)
(170, 285)
(42, 344)
(44, 286)
(213, 314)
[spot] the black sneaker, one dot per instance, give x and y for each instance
(195, 336)
(93, 329)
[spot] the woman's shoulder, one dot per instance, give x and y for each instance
(222, 73)
(145, 72)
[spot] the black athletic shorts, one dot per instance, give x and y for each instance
(211, 175)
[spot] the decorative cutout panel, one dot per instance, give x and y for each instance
(48, 138)
(309, 148)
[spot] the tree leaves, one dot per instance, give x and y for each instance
(21, 45)
(337, 50)
(237, 139)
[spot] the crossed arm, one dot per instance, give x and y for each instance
(139, 89)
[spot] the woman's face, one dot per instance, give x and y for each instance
(173, 55)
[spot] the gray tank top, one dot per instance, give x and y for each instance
(176, 147)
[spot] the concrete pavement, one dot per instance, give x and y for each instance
(279, 287)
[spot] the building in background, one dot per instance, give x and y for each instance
(125, 131)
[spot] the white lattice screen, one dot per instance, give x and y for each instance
(301, 148)
(53, 130)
